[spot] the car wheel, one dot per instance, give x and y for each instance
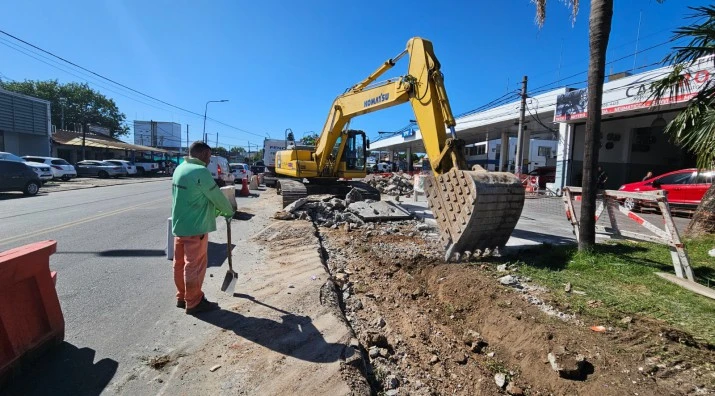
(103, 174)
(65, 178)
(629, 203)
(31, 188)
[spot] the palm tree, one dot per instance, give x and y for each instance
(694, 128)
(599, 32)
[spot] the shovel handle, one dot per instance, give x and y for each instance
(228, 243)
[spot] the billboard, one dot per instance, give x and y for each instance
(632, 93)
(157, 134)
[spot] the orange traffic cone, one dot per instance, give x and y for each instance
(244, 188)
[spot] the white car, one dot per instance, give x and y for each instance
(129, 167)
(240, 171)
(44, 172)
(60, 168)
(220, 170)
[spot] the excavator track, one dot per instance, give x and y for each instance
(291, 190)
(476, 211)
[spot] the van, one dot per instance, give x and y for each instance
(220, 170)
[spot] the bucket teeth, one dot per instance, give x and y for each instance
(467, 206)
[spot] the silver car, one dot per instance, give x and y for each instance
(100, 169)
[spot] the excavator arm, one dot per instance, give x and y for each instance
(422, 86)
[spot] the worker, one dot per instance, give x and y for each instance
(602, 178)
(647, 176)
(197, 201)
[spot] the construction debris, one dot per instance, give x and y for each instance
(396, 185)
(350, 213)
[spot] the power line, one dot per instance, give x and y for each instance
(122, 85)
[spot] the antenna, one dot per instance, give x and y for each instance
(638, 36)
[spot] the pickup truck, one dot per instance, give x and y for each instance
(145, 167)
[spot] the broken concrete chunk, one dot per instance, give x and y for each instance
(295, 205)
(283, 215)
(353, 195)
(508, 280)
(567, 363)
(391, 382)
(500, 379)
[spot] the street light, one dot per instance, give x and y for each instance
(206, 108)
(63, 102)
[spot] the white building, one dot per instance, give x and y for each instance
(632, 141)
(542, 152)
(166, 135)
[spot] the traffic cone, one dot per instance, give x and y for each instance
(244, 188)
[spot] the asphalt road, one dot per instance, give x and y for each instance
(114, 282)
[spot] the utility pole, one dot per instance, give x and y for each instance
(187, 139)
(520, 134)
(84, 136)
(217, 140)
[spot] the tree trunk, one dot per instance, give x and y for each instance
(703, 221)
(599, 32)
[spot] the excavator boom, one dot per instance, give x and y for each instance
(476, 210)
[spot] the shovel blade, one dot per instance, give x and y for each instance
(229, 282)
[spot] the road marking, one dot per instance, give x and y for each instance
(77, 222)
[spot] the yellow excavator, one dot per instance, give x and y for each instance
(476, 210)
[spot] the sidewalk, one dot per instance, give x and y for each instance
(87, 182)
(282, 332)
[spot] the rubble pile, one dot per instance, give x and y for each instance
(326, 211)
(397, 184)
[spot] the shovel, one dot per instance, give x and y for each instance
(229, 281)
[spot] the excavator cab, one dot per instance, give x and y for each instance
(355, 151)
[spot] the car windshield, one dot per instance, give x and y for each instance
(106, 163)
(60, 162)
(11, 157)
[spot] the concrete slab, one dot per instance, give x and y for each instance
(380, 210)
(692, 286)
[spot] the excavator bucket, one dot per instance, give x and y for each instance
(476, 210)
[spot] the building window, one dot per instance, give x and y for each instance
(544, 151)
(481, 149)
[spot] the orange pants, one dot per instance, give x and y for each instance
(190, 260)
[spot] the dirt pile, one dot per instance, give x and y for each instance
(434, 328)
(399, 184)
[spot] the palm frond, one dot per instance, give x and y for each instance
(540, 17)
(694, 127)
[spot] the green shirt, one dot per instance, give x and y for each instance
(197, 200)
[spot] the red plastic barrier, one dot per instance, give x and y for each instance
(30, 314)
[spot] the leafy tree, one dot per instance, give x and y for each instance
(599, 32)
(310, 139)
(82, 104)
(694, 127)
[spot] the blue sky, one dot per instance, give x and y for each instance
(281, 63)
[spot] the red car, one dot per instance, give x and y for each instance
(685, 187)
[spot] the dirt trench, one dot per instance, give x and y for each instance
(417, 319)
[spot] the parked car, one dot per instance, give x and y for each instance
(240, 171)
(546, 174)
(145, 166)
(44, 172)
(99, 168)
(128, 166)
(18, 176)
(256, 169)
(220, 170)
(60, 168)
(685, 188)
